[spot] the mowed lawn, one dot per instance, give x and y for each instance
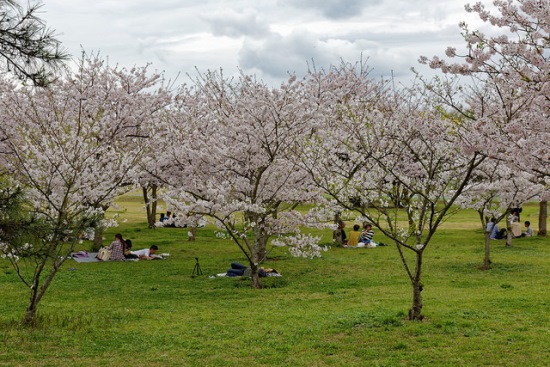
(347, 308)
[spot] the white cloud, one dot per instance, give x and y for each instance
(266, 38)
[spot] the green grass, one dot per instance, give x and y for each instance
(347, 308)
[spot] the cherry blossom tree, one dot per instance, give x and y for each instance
(493, 191)
(514, 63)
(150, 195)
(147, 182)
(390, 156)
(227, 156)
(71, 147)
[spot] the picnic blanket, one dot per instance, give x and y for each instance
(90, 257)
(85, 257)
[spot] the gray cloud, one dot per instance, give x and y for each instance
(332, 9)
(278, 56)
(387, 54)
(234, 24)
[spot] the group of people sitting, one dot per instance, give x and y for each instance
(172, 220)
(121, 249)
(358, 238)
(499, 234)
(515, 227)
(168, 219)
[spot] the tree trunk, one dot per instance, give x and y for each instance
(258, 247)
(337, 233)
(38, 291)
(150, 204)
(415, 313)
(98, 237)
(337, 237)
(509, 234)
(262, 252)
(144, 190)
(191, 234)
(256, 284)
(259, 251)
(99, 231)
(543, 214)
(487, 258)
(154, 189)
(30, 315)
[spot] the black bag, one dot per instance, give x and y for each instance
(501, 234)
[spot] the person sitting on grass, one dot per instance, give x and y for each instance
(117, 248)
(366, 236)
(495, 233)
(128, 250)
(354, 235)
(147, 253)
(528, 230)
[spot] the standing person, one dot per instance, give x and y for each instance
(117, 248)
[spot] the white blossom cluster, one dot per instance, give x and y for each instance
(12, 252)
(301, 245)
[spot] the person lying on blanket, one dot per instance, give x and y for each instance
(239, 270)
(146, 253)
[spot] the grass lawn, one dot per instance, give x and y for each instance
(347, 308)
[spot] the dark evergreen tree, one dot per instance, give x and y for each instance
(28, 49)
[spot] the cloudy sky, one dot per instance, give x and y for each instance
(267, 38)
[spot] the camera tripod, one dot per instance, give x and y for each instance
(197, 269)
